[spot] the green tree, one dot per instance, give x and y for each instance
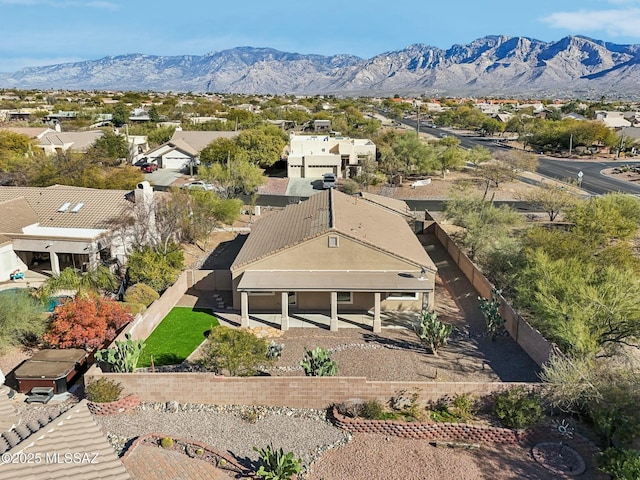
(21, 318)
(120, 115)
(449, 155)
(611, 217)
(484, 224)
(110, 149)
(478, 155)
(238, 176)
(146, 265)
(550, 199)
(263, 146)
(209, 212)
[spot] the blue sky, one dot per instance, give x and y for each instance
(45, 32)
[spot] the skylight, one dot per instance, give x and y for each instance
(65, 206)
(77, 208)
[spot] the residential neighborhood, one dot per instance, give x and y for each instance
(196, 285)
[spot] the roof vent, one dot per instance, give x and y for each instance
(65, 206)
(77, 208)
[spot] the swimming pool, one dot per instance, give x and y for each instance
(48, 306)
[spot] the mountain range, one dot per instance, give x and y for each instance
(495, 65)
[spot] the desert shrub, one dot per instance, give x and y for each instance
(621, 464)
(233, 351)
(372, 410)
(318, 363)
(141, 293)
(406, 406)
(350, 187)
(464, 406)
(277, 465)
(103, 390)
(21, 318)
(86, 322)
(135, 308)
(518, 407)
(166, 442)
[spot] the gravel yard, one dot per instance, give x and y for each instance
(234, 429)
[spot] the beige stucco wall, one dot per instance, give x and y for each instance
(315, 254)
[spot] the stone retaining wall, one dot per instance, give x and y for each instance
(428, 430)
(123, 405)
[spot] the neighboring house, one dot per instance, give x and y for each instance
(311, 156)
(50, 229)
(283, 124)
(333, 252)
(69, 446)
(183, 150)
(612, 119)
(59, 142)
(31, 132)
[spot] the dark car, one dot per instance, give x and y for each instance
(148, 167)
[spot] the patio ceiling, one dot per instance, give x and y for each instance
(333, 281)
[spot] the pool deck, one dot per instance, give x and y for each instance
(31, 279)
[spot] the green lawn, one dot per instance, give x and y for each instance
(179, 333)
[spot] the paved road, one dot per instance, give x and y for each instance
(592, 180)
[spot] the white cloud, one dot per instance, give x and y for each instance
(615, 22)
(63, 3)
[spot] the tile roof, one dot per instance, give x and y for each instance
(332, 210)
(74, 432)
(200, 139)
(31, 132)
(8, 415)
(16, 214)
(101, 209)
(79, 141)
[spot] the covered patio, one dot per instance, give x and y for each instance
(339, 293)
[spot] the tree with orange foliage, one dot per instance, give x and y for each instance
(86, 322)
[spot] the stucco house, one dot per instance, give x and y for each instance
(333, 252)
(50, 229)
(183, 150)
(311, 156)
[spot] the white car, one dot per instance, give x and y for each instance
(199, 185)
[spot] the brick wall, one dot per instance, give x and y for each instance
(529, 339)
(295, 392)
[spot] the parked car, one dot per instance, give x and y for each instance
(148, 167)
(199, 185)
(328, 180)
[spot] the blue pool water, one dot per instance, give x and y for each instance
(50, 305)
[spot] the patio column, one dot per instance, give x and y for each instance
(284, 321)
(377, 323)
(244, 309)
(333, 324)
(55, 264)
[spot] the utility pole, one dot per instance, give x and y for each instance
(570, 144)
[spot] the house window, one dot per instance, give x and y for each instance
(345, 297)
(261, 294)
(333, 241)
(403, 296)
(292, 298)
